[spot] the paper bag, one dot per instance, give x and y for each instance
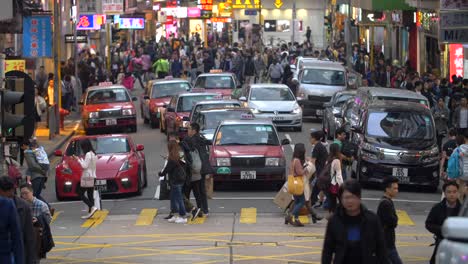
(97, 199)
(209, 186)
(283, 198)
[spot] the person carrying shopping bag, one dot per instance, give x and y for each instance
(295, 180)
(88, 176)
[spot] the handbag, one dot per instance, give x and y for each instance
(163, 190)
(334, 187)
(295, 184)
(14, 173)
(86, 181)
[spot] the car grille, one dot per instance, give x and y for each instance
(282, 122)
(111, 187)
(248, 162)
(110, 113)
(279, 112)
(323, 99)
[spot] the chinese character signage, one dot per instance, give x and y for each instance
(90, 22)
(456, 59)
(246, 4)
(15, 65)
(205, 4)
(113, 6)
(37, 40)
(132, 23)
(193, 12)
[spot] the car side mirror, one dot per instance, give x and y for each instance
(285, 142)
(146, 97)
(134, 99)
(170, 109)
(58, 153)
(185, 118)
(140, 147)
(243, 99)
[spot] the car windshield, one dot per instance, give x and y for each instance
(342, 99)
(169, 89)
(238, 135)
(104, 145)
(406, 99)
(186, 103)
(323, 77)
(400, 125)
(210, 120)
(101, 96)
(215, 82)
(271, 94)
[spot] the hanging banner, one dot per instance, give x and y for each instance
(15, 65)
(456, 59)
(37, 32)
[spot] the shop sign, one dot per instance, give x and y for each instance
(456, 59)
(112, 6)
(132, 23)
(206, 14)
(90, 22)
(453, 35)
(205, 4)
(179, 12)
(454, 19)
(453, 5)
(193, 12)
(246, 4)
(70, 38)
(278, 3)
(15, 65)
(37, 32)
(169, 20)
(250, 12)
(220, 19)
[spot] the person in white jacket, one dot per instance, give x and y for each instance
(89, 170)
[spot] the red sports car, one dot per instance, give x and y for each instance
(120, 168)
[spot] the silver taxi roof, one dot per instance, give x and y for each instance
(391, 92)
(216, 74)
(247, 122)
(195, 94)
(322, 64)
(175, 80)
(218, 101)
(114, 86)
(268, 85)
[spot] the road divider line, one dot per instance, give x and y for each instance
(404, 219)
(96, 220)
(146, 217)
(248, 215)
(54, 217)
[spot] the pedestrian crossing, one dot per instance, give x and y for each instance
(247, 216)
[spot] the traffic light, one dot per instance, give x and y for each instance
(327, 22)
(10, 98)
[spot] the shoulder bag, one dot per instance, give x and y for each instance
(295, 183)
(86, 181)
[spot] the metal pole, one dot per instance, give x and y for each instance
(2, 87)
(75, 47)
(57, 79)
(348, 38)
(294, 22)
(108, 44)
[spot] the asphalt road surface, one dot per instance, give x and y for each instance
(244, 225)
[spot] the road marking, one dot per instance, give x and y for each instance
(404, 219)
(290, 141)
(96, 220)
(146, 217)
(248, 216)
(56, 214)
(197, 221)
(304, 219)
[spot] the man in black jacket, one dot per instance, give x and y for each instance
(7, 190)
(389, 218)
(449, 206)
(354, 234)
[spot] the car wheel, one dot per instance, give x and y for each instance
(162, 127)
(145, 172)
(57, 195)
(139, 187)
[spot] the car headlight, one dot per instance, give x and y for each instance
(336, 111)
(369, 147)
(93, 114)
(128, 111)
(223, 162)
(255, 111)
(272, 162)
(185, 123)
(125, 166)
(297, 110)
(370, 152)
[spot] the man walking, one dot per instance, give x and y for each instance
(389, 218)
(38, 207)
(449, 206)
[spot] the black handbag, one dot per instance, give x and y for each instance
(164, 189)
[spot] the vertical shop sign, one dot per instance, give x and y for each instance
(456, 59)
(36, 36)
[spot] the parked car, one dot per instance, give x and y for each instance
(333, 118)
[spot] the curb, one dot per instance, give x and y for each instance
(59, 144)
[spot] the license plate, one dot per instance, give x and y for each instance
(319, 112)
(401, 174)
(277, 118)
(111, 122)
(248, 175)
(226, 97)
(101, 185)
(101, 182)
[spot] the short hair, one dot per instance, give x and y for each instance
(465, 82)
(449, 183)
(417, 83)
(452, 132)
(318, 135)
(195, 126)
(340, 130)
(6, 183)
(27, 186)
(387, 182)
(352, 186)
(465, 133)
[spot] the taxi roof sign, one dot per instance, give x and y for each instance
(216, 71)
(105, 84)
(246, 116)
(169, 77)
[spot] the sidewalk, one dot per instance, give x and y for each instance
(72, 123)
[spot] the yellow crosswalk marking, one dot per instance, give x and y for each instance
(304, 219)
(248, 216)
(197, 221)
(404, 219)
(146, 217)
(96, 220)
(56, 214)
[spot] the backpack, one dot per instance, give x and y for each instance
(324, 179)
(455, 165)
(196, 162)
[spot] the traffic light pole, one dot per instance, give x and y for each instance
(2, 138)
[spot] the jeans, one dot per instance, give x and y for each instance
(89, 200)
(196, 187)
(37, 186)
(394, 257)
(299, 202)
(203, 196)
(177, 200)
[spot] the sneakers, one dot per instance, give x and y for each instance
(181, 220)
(91, 213)
(169, 217)
(172, 219)
(195, 213)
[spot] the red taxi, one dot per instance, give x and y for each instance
(120, 168)
(176, 116)
(157, 94)
(108, 107)
(224, 83)
(248, 151)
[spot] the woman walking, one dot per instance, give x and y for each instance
(88, 176)
(335, 176)
(175, 170)
(297, 170)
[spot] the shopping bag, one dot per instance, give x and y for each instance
(295, 185)
(163, 189)
(97, 199)
(209, 186)
(283, 198)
